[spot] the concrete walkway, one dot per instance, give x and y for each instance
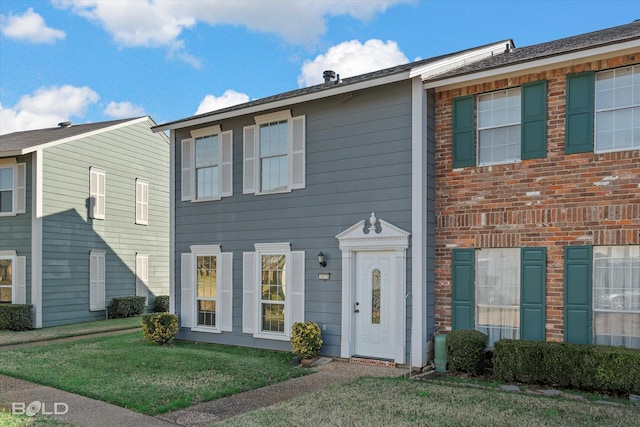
(78, 410)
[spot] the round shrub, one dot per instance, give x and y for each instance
(465, 351)
(160, 327)
(306, 339)
(162, 303)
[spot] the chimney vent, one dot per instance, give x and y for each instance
(328, 76)
(64, 124)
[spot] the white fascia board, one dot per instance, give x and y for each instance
(338, 89)
(618, 49)
(433, 69)
(83, 135)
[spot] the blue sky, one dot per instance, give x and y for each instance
(95, 60)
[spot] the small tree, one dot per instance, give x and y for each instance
(306, 339)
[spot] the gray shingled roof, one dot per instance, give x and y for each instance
(564, 46)
(33, 138)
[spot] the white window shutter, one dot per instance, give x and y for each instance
(100, 200)
(97, 189)
(226, 293)
(187, 285)
(97, 295)
(142, 202)
(297, 289)
(226, 164)
(20, 279)
(188, 190)
(250, 159)
(297, 164)
(21, 187)
(249, 292)
(142, 277)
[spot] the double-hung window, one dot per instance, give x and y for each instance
(12, 188)
(207, 289)
(274, 154)
(12, 278)
(207, 165)
(273, 290)
(511, 125)
(609, 99)
(602, 295)
(500, 292)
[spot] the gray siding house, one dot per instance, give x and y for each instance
(315, 204)
(83, 218)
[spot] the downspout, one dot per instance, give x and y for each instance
(36, 236)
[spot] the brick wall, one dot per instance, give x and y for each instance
(560, 200)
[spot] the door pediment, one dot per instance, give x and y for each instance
(373, 233)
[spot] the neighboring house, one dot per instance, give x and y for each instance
(538, 191)
(83, 218)
(363, 171)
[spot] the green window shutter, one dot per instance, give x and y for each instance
(463, 132)
(578, 273)
(533, 267)
(462, 292)
(534, 121)
(579, 114)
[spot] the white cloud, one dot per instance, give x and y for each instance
(123, 110)
(47, 107)
(160, 23)
(228, 99)
(352, 58)
(29, 27)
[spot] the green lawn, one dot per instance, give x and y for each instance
(127, 371)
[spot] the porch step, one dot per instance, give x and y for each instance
(374, 362)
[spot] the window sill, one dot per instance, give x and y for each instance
(206, 329)
(273, 336)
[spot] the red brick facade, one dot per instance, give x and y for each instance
(577, 199)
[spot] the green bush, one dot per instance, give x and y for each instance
(126, 307)
(306, 339)
(465, 351)
(16, 317)
(575, 366)
(160, 327)
(162, 303)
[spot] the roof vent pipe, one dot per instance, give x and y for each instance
(64, 124)
(328, 76)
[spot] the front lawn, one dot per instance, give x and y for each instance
(127, 371)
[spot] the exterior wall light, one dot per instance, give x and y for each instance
(321, 260)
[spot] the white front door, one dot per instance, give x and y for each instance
(374, 307)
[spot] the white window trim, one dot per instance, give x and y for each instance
(18, 190)
(189, 190)
(142, 277)
(12, 257)
(97, 199)
(296, 153)
(294, 300)
(224, 298)
(97, 281)
(142, 206)
(478, 128)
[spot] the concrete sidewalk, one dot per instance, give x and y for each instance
(83, 411)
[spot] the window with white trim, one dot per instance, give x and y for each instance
(97, 189)
(617, 109)
(142, 202)
(142, 277)
(274, 154)
(207, 165)
(207, 289)
(12, 189)
(97, 296)
(273, 290)
(13, 288)
(616, 295)
(499, 127)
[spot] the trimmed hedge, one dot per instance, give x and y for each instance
(565, 365)
(126, 307)
(465, 351)
(16, 317)
(162, 303)
(160, 328)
